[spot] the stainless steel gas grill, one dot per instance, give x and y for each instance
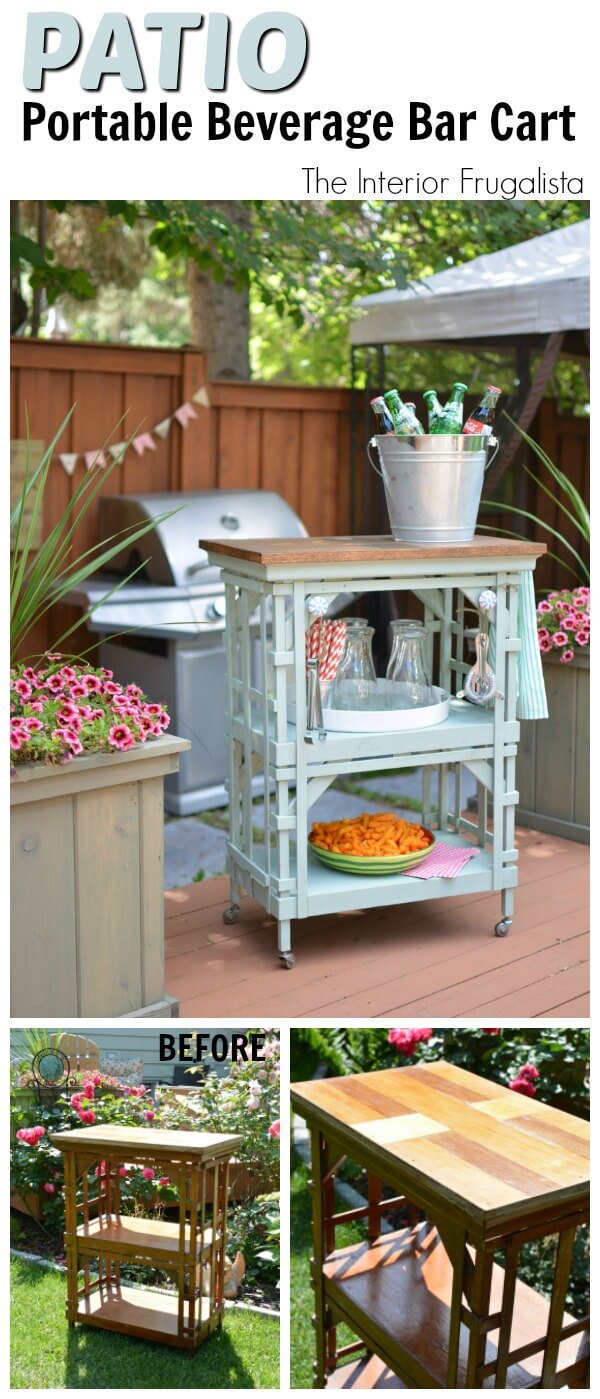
(173, 617)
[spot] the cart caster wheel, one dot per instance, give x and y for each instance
(501, 929)
(287, 960)
(232, 914)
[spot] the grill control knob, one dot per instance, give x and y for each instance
(230, 522)
(215, 611)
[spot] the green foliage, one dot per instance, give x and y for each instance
(305, 262)
(245, 1101)
(41, 577)
(569, 504)
(254, 1228)
(561, 1056)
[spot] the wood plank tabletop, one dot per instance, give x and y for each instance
(199, 1144)
(481, 1147)
(348, 549)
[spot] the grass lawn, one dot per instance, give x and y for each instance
(302, 1337)
(244, 1354)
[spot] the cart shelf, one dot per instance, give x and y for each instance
(329, 890)
(129, 1235)
(137, 1312)
(396, 1293)
(466, 728)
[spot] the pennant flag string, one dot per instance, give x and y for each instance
(143, 442)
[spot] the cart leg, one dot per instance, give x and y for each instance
(284, 944)
(232, 913)
(508, 908)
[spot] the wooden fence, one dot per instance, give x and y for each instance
(292, 440)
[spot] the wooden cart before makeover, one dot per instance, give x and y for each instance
(99, 1239)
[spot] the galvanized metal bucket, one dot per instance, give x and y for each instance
(433, 484)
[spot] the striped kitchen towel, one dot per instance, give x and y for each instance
(531, 690)
(531, 696)
(445, 861)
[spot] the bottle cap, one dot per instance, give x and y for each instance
(492, 389)
(460, 386)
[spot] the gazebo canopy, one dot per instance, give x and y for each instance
(531, 290)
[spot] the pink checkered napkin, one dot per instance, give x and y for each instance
(445, 861)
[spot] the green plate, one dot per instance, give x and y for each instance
(372, 864)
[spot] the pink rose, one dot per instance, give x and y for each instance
(163, 1180)
(274, 1130)
(50, 1189)
(528, 1071)
(149, 1116)
(87, 1115)
(522, 1085)
(148, 1173)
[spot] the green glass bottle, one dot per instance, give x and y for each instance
(395, 407)
(451, 420)
(434, 408)
(412, 422)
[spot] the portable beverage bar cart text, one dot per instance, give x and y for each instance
(272, 581)
(99, 1239)
(475, 1169)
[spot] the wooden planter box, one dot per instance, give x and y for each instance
(553, 766)
(87, 916)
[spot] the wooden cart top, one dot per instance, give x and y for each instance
(469, 1142)
(204, 1145)
(348, 549)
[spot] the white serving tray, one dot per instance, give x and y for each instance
(384, 720)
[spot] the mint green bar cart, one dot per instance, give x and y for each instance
(268, 587)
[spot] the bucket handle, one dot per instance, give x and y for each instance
(490, 459)
(372, 462)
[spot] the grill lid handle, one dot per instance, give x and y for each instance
(229, 521)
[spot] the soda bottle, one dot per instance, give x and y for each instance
(482, 420)
(403, 415)
(452, 414)
(412, 420)
(385, 421)
(434, 408)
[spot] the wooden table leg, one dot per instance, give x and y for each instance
(71, 1235)
(562, 1273)
(318, 1153)
(508, 1306)
(455, 1243)
(479, 1305)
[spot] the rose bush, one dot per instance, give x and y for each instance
(59, 710)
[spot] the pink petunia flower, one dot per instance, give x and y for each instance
(546, 645)
(567, 656)
(68, 672)
(544, 606)
(32, 726)
(92, 683)
(31, 675)
(543, 634)
(77, 690)
(22, 689)
(121, 737)
(55, 684)
(582, 637)
(560, 638)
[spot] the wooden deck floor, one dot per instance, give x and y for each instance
(430, 959)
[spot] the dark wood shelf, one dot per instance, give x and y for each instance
(137, 1312)
(397, 1293)
(128, 1235)
(371, 1373)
